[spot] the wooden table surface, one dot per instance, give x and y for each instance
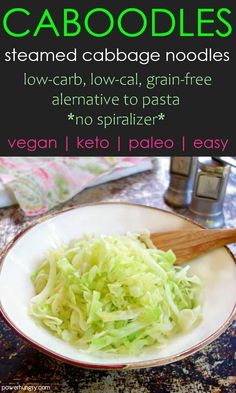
(212, 370)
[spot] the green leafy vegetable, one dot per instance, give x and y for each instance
(115, 294)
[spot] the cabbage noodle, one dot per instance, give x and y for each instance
(114, 293)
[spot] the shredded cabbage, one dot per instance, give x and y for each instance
(115, 293)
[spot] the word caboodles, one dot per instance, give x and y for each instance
(129, 22)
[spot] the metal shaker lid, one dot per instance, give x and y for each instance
(212, 166)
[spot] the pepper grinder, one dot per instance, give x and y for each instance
(209, 193)
(182, 175)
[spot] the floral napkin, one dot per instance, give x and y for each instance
(40, 183)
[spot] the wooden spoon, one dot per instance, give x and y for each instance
(188, 244)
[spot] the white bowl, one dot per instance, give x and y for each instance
(216, 269)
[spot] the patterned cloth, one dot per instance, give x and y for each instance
(39, 184)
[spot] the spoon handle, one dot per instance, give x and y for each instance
(188, 244)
